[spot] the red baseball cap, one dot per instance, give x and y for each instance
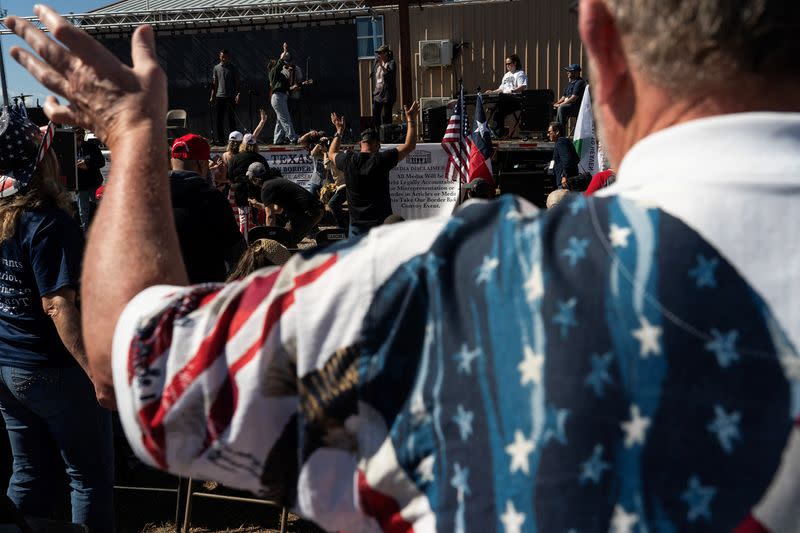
(191, 146)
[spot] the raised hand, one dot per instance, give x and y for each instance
(338, 122)
(104, 94)
(412, 111)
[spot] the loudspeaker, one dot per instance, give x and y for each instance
(537, 110)
(434, 124)
(391, 134)
(524, 174)
(66, 150)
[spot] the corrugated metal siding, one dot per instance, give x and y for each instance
(542, 32)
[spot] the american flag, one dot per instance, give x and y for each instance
(455, 142)
(47, 140)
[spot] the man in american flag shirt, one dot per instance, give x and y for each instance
(625, 363)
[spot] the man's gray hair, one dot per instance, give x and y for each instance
(689, 44)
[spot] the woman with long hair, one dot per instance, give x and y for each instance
(46, 394)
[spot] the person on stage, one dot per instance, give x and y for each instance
(514, 81)
(279, 85)
(570, 102)
(384, 95)
(224, 96)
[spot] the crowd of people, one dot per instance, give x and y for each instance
(621, 362)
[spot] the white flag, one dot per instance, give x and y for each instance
(585, 136)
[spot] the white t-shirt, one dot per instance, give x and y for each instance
(513, 80)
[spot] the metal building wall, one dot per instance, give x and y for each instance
(542, 32)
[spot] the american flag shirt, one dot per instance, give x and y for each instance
(598, 367)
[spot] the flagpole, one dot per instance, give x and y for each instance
(461, 132)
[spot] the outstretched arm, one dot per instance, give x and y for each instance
(261, 123)
(411, 134)
(125, 106)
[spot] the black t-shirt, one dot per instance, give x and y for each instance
(242, 161)
(289, 195)
(367, 178)
(575, 87)
(206, 227)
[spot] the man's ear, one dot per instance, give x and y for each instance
(610, 73)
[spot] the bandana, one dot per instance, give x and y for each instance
(20, 150)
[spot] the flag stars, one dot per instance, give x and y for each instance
(512, 519)
(698, 499)
(530, 368)
(577, 205)
(519, 450)
(635, 429)
(622, 521)
(599, 374)
(486, 269)
(575, 250)
(619, 236)
(723, 345)
(554, 424)
(460, 480)
(592, 469)
(465, 358)
(726, 427)
(648, 337)
(534, 285)
(463, 420)
(704, 272)
(565, 318)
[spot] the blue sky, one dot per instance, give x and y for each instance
(19, 81)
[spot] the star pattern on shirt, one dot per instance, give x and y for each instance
(487, 268)
(512, 519)
(635, 429)
(622, 521)
(575, 250)
(530, 368)
(577, 205)
(513, 214)
(592, 469)
(534, 285)
(599, 374)
(648, 336)
(726, 427)
(566, 315)
(519, 451)
(618, 236)
(704, 272)
(433, 263)
(698, 499)
(460, 479)
(723, 345)
(463, 420)
(425, 469)
(465, 357)
(555, 424)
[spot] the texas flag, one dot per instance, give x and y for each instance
(480, 147)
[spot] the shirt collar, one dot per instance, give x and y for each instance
(742, 148)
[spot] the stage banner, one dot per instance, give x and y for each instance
(295, 165)
(418, 187)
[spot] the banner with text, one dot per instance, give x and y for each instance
(295, 165)
(418, 187)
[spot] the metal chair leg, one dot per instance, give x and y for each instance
(187, 517)
(283, 519)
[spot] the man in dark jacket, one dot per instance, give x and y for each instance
(89, 161)
(565, 159)
(209, 238)
(384, 94)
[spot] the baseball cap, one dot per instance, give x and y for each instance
(383, 48)
(256, 170)
(235, 136)
(19, 148)
(572, 67)
(192, 147)
(370, 135)
(249, 139)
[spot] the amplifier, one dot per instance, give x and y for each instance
(537, 110)
(392, 134)
(434, 124)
